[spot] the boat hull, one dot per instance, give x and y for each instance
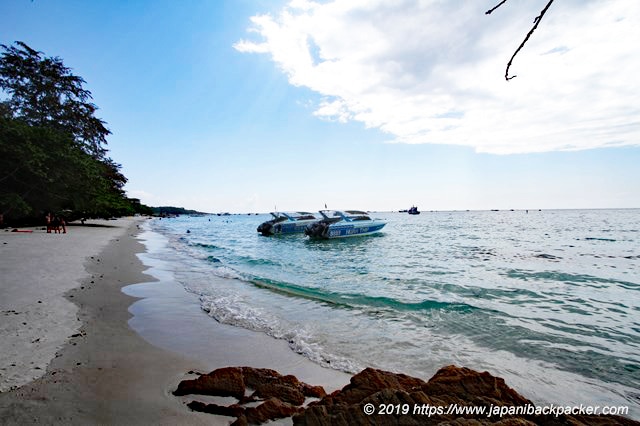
(284, 228)
(342, 224)
(351, 230)
(343, 229)
(286, 223)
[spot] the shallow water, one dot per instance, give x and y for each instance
(549, 300)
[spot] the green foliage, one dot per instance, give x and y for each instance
(142, 209)
(51, 145)
(42, 169)
(44, 93)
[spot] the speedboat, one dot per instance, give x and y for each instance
(347, 223)
(287, 223)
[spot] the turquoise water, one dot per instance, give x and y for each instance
(549, 300)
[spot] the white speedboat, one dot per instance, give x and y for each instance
(287, 223)
(347, 223)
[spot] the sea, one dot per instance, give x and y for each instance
(549, 300)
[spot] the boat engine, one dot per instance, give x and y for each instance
(265, 227)
(317, 229)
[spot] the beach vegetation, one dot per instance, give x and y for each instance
(174, 211)
(52, 146)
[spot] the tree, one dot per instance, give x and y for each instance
(44, 170)
(52, 155)
(43, 92)
(536, 21)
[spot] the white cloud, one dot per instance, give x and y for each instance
(142, 195)
(432, 71)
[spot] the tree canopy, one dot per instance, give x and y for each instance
(43, 92)
(52, 146)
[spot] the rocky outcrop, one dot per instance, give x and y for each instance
(281, 396)
(395, 399)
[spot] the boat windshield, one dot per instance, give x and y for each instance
(294, 215)
(301, 216)
(348, 215)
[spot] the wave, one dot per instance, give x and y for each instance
(233, 311)
(357, 300)
(207, 246)
(568, 278)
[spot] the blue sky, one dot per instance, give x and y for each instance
(245, 106)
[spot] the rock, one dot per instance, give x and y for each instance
(269, 383)
(222, 382)
(455, 384)
(313, 391)
(406, 400)
(271, 409)
(233, 410)
(282, 395)
(368, 382)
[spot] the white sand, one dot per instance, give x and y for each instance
(36, 270)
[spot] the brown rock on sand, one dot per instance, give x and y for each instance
(283, 396)
(450, 385)
(222, 382)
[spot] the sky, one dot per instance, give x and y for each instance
(254, 105)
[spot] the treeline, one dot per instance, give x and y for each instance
(173, 211)
(52, 146)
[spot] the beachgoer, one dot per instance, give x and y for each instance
(48, 218)
(55, 224)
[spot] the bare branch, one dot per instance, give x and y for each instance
(535, 25)
(488, 12)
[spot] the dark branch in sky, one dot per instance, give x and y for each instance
(536, 21)
(488, 12)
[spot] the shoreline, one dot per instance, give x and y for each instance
(169, 317)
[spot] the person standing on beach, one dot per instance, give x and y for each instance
(55, 224)
(48, 220)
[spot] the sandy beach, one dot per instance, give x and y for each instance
(71, 353)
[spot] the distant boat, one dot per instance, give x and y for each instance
(413, 210)
(347, 223)
(287, 223)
